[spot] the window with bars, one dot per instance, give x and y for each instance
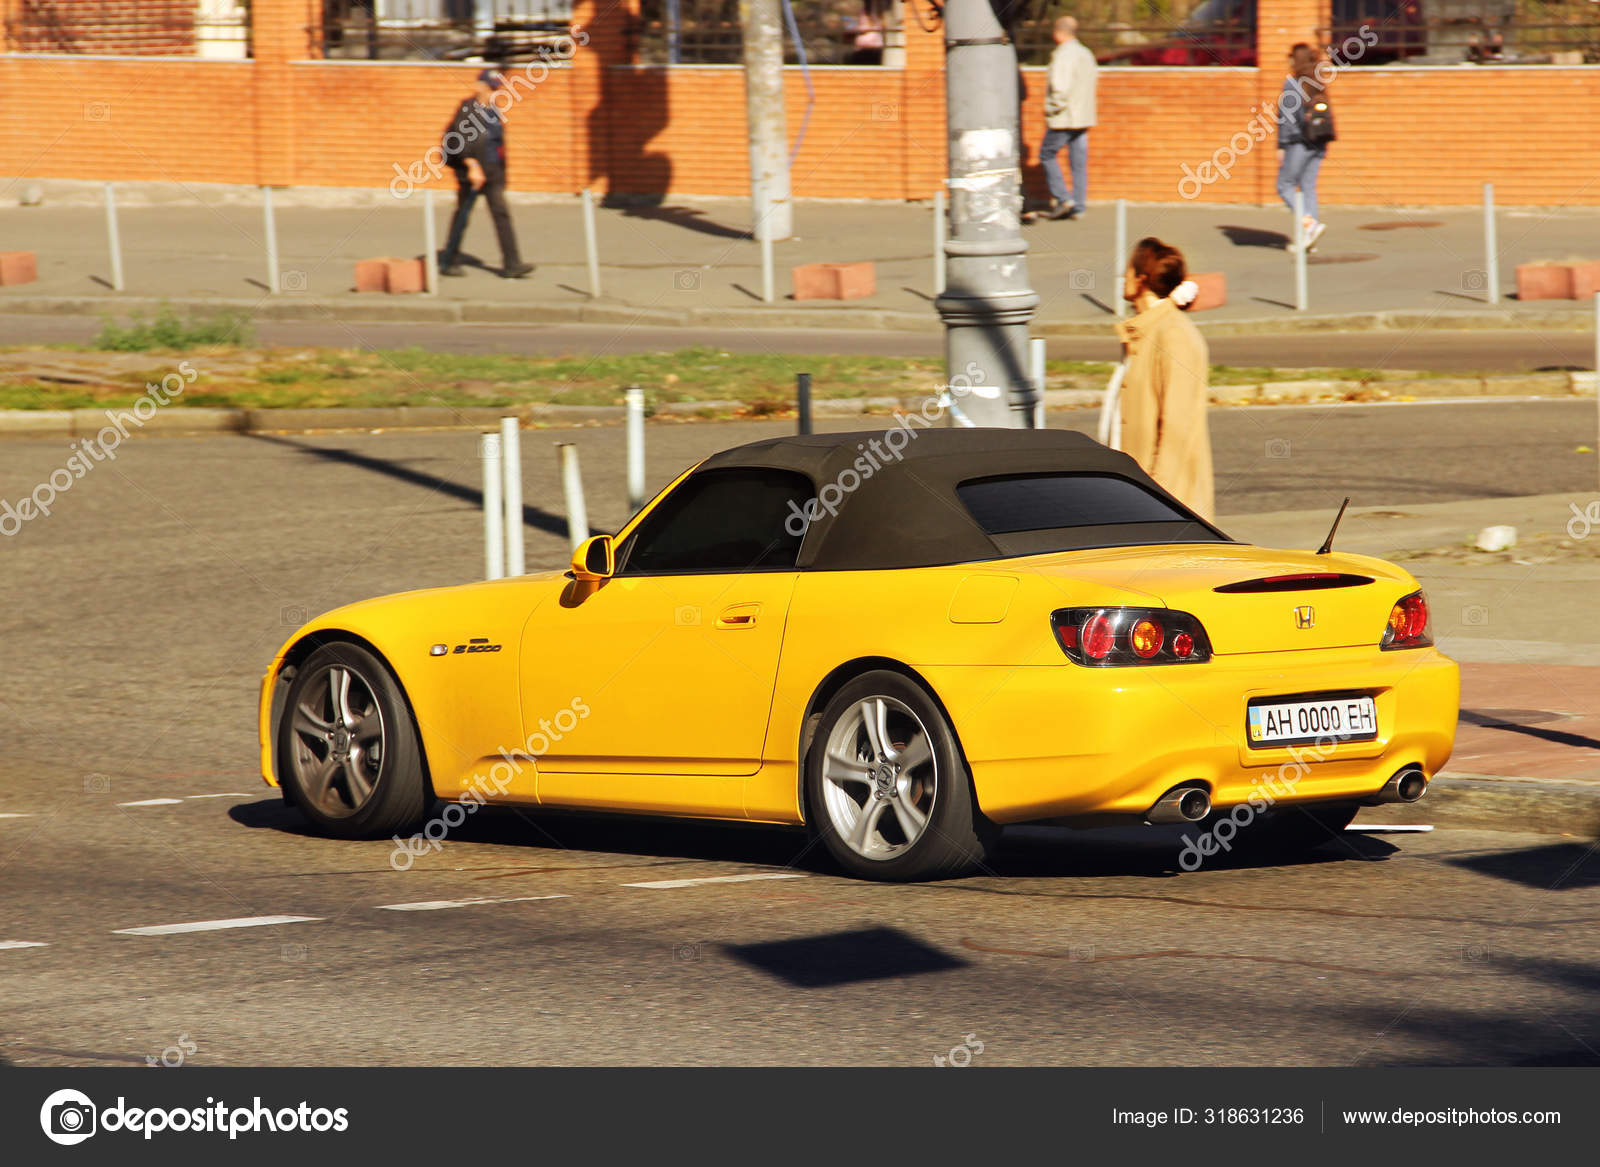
(140, 28)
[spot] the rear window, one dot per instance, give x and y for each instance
(1026, 513)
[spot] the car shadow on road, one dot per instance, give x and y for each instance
(1553, 867)
(532, 516)
(1156, 852)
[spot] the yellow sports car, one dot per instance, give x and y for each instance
(902, 640)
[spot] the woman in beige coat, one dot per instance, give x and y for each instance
(1165, 388)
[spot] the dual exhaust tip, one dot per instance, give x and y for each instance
(1190, 804)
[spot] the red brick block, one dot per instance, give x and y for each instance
(854, 281)
(1585, 279)
(1544, 281)
(834, 281)
(17, 267)
(406, 275)
(1213, 290)
(372, 275)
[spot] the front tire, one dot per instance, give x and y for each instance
(888, 790)
(348, 754)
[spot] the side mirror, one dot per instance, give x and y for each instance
(594, 558)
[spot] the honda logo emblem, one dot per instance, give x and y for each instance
(1305, 616)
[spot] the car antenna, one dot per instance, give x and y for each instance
(1327, 544)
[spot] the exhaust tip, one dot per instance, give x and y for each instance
(1407, 784)
(1182, 804)
(1410, 784)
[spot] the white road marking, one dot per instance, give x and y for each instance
(11, 815)
(22, 944)
(153, 802)
(437, 905)
(214, 925)
(224, 794)
(1393, 828)
(666, 884)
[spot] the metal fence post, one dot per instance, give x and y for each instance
(802, 393)
(272, 240)
(430, 244)
(113, 237)
(591, 246)
(635, 400)
(1299, 250)
(1036, 367)
(494, 531)
(572, 490)
(1120, 260)
(939, 221)
(511, 455)
(1491, 245)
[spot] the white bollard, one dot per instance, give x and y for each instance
(272, 240)
(430, 244)
(1299, 250)
(511, 455)
(494, 518)
(1120, 260)
(572, 488)
(591, 245)
(1036, 369)
(939, 225)
(1491, 245)
(635, 400)
(113, 237)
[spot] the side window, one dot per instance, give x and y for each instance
(723, 520)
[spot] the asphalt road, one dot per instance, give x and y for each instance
(143, 609)
(1485, 351)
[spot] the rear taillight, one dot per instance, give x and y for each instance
(1409, 626)
(1104, 637)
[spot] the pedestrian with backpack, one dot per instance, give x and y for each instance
(1305, 127)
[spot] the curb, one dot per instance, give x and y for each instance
(427, 309)
(1486, 802)
(82, 423)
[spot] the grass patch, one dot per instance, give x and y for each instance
(764, 383)
(168, 330)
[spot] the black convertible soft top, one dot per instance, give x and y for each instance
(888, 499)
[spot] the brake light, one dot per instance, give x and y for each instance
(1409, 625)
(1105, 637)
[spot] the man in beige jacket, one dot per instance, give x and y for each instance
(1068, 114)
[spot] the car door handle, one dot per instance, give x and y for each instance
(739, 616)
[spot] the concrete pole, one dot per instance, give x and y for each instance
(494, 515)
(894, 37)
(113, 237)
(1491, 246)
(511, 454)
(635, 399)
(762, 21)
(986, 303)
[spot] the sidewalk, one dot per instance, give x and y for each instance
(690, 263)
(1523, 625)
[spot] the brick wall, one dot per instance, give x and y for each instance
(1413, 136)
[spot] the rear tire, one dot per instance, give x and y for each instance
(889, 793)
(348, 754)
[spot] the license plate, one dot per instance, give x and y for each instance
(1302, 720)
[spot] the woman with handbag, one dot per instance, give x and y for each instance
(1164, 384)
